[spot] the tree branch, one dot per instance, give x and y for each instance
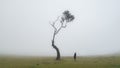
(58, 30)
(61, 27)
(53, 24)
(55, 29)
(56, 20)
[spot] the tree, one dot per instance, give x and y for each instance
(65, 18)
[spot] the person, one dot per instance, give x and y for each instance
(75, 56)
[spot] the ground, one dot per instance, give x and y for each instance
(65, 62)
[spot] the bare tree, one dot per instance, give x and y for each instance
(65, 18)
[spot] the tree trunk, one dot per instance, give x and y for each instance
(57, 50)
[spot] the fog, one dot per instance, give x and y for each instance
(25, 27)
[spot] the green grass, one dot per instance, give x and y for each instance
(66, 62)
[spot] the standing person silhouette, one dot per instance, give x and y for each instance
(75, 56)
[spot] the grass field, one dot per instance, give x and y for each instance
(66, 62)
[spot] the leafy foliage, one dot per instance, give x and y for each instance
(67, 16)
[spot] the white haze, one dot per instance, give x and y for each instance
(25, 27)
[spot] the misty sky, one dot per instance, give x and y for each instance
(25, 27)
